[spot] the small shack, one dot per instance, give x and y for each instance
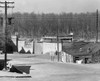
(86, 52)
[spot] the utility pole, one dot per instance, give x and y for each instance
(58, 38)
(97, 25)
(4, 29)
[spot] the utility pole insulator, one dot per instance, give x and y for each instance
(10, 6)
(10, 20)
(1, 21)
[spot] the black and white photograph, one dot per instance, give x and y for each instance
(49, 40)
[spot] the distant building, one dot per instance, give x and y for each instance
(13, 38)
(42, 46)
(49, 43)
(25, 44)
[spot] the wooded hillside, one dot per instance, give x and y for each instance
(83, 25)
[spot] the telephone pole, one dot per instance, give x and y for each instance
(97, 25)
(4, 29)
(58, 39)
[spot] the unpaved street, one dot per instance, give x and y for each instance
(45, 70)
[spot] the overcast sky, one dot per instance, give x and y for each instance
(55, 6)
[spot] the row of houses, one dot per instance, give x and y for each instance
(43, 46)
(74, 52)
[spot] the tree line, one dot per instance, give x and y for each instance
(83, 25)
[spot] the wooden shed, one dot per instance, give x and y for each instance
(86, 51)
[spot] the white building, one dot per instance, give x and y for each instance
(48, 44)
(25, 43)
